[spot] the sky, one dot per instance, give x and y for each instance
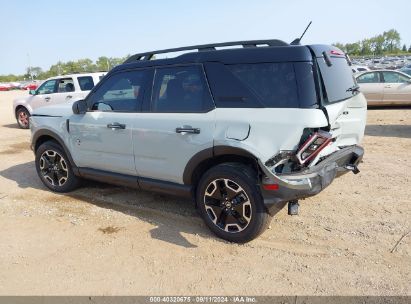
(42, 32)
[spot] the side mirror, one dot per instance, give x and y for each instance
(79, 107)
(32, 92)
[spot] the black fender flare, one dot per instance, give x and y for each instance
(209, 154)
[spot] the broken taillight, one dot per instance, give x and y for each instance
(312, 146)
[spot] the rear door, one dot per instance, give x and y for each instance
(66, 91)
(346, 107)
(178, 123)
(372, 86)
(397, 88)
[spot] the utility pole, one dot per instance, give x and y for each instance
(29, 69)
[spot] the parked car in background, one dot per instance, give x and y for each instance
(385, 87)
(55, 90)
(29, 85)
(5, 86)
(359, 68)
(406, 71)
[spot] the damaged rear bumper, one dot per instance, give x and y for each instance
(313, 180)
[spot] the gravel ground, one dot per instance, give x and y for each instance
(106, 240)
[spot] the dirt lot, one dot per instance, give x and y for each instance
(106, 240)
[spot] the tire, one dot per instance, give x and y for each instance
(230, 202)
(54, 168)
(22, 116)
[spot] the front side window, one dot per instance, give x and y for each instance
(369, 78)
(392, 77)
(86, 83)
(121, 92)
(180, 89)
(48, 87)
(65, 85)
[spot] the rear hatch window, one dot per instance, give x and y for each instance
(338, 79)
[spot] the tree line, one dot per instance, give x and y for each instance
(102, 64)
(387, 43)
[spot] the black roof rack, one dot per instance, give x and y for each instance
(207, 47)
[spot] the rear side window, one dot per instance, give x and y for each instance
(180, 89)
(279, 85)
(86, 83)
(338, 78)
(65, 85)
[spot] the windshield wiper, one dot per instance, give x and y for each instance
(353, 89)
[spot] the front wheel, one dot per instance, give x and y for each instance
(54, 169)
(231, 203)
(23, 117)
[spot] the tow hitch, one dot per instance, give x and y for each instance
(352, 168)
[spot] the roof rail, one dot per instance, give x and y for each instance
(207, 47)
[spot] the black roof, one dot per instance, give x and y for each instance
(254, 51)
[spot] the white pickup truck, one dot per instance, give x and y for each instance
(55, 90)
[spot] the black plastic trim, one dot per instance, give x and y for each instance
(110, 177)
(165, 187)
(141, 183)
(209, 154)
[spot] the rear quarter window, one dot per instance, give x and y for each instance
(279, 85)
(86, 83)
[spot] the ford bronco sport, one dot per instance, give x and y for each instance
(242, 130)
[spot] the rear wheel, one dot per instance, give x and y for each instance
(231, 204)
(54, 169)
(23, 116)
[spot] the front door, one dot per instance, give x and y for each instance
(372, 86)
(102, 137)
(66, 91)
(44, 94)
(179, 123)
(397, 88)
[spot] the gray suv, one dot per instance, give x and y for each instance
(242, 131)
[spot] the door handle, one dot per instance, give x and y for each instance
(116, 125)
(387, 87)
(188, 130)
(69, 96)
(47, 98)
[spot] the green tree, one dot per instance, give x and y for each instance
(392, 40)
(404, 48)
(365, 47)
(86, 65)
(353, 48)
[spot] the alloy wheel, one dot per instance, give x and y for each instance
(53, 168)
(23, 118)
(228, 206)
